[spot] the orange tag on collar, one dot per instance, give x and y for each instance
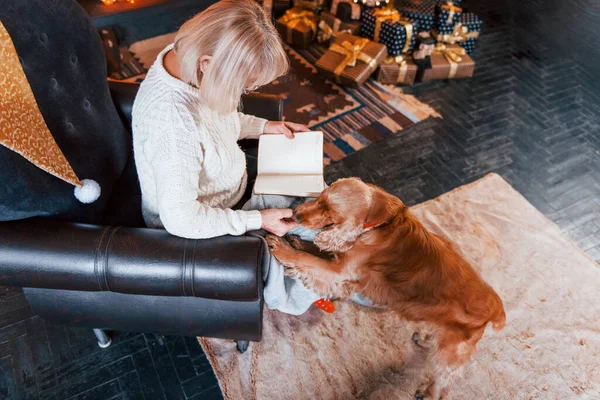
(325, 305)
(368, 225)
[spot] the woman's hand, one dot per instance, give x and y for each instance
(278, 221)
(286, 128)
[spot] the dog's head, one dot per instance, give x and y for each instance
(344, 211)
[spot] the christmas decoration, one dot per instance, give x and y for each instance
(373, 3)
(27, 133)
(329, 26)
(448, 61)
(473, 24)
(298, 27)
(350, 60)
(397, 70)
(387, 26)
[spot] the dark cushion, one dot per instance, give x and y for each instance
(62, 56)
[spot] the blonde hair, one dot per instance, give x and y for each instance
(245, 48)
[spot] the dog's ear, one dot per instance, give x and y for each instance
(383, 207)
(339, 238)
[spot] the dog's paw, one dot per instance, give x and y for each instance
(280, 249)
(274, 242)
(277, 245)
(294, 241)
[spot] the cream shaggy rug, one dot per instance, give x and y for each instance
(550, 348)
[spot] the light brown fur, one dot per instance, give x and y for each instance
(372, 244)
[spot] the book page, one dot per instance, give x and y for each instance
(290, 185)
(303, 155)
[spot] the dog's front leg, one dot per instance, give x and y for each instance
(319, 274)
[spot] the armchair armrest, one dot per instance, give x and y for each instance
(58, 255)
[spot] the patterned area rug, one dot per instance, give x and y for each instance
(350, 118)
(548, 350)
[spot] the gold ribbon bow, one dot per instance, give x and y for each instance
(452, 10)
(401, 63)
(325, 32)
(393, 16)
(460, 33)
(453, 54)
(353, 52)
(292, 18)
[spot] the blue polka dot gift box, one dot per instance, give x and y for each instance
(460, 35)
(465, 33)
(421, 12)
(389, 27)
(474, 25)
(469, 45)
(447, 14)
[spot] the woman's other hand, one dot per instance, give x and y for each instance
(286, 128)
(278, 221)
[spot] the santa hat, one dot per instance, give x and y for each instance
(23, 129)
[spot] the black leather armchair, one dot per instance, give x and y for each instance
(124, 277)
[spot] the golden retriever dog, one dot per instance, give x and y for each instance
(371, 244)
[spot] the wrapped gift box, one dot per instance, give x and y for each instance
(351, 27)
(329, 26)
(346, 10)
(474, 25)
(469, 45)
(350, 59)
(447, 15)
(312, 5)
(275, 8)
(400, 70)
(298, 27)
(448, 61)
(464, 35)
(423, 13)
(387, 26)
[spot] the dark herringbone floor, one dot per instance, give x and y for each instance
(531, 114)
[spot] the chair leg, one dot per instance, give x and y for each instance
(159, 338)
(103, 340)
(242, 345)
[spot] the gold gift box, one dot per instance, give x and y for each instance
(330, 26)
(400, 70)
(351, 60)
(448, 61)
(298, 27)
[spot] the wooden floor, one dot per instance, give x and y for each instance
(531, 114)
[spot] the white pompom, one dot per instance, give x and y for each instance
(88, 192)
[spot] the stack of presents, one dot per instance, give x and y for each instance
(401, 43)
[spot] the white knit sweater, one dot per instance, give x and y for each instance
(190, 167)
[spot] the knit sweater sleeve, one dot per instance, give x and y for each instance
(177, 165)
(251, 127)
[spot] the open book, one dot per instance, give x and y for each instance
(290, 167)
